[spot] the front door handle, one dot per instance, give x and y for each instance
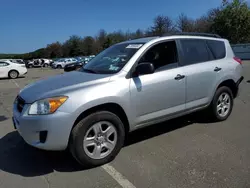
(179, 77)
(217, 69)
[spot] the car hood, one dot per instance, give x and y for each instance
(60, 85)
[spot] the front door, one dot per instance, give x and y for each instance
(155, 96)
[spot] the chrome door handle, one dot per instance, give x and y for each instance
(179, 77)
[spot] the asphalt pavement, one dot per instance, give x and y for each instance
(185, 152)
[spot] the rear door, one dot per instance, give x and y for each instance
(198, 66)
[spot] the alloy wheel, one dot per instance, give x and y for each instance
(100, 140)
(223, 104)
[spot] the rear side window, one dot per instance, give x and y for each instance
(3, 64)
(195, 51)
(217, 48)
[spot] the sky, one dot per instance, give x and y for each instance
(27, 25)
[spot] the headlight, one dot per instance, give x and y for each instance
(46, 106)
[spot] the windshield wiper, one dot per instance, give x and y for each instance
(90, 71)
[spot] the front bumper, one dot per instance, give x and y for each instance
(48, 132)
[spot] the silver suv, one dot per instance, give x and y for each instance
(128, 86)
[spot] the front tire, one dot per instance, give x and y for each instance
(59, 66)
(13, 74)
(97, 139)
(222, 104)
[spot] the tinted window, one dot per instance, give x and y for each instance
(217, 48)
(163, 55)
(195, 51)
(3, 64)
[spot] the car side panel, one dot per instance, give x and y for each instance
(201, 78)
(157, 95)
(4, 72)
(230, 70)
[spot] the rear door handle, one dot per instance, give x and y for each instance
(217, 69)
(179, 77)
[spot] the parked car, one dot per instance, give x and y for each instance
(19, 61)
(152, 80)
(74, 66)
(59, 64)
(11, 70)
(39, 63)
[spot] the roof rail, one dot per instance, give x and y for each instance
(193, 34)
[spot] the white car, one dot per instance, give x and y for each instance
(62, 62)
(11, 70)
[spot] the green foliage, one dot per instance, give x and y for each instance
(231, 20)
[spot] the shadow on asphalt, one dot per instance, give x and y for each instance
(20, 77)
(3, 118)
(17, 157)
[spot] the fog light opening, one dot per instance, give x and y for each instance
(43, 136)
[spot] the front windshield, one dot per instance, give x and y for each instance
(113, 59)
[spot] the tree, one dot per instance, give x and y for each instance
(88, 45)
(162, 25)
(233, 22)
(100, 40)
(72, 47)
(138, 34)
(185, 24)
(54, 50)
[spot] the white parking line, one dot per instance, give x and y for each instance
(118, 176)
(13, 81)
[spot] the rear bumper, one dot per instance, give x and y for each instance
(239, 81)
(237, 86)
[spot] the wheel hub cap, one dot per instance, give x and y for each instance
(100, 140)
(223, 104)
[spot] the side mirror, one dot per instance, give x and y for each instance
(144, 68)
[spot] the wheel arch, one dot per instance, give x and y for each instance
(13, 70)
(111, 107)
(230, 83)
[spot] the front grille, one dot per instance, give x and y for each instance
(20, 103)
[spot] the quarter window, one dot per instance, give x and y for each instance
(195, 51)
(3, 64)
(217, 48)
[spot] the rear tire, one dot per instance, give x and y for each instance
(45, 65)
(30, 66)
(13, 74)
(86, 141)
(59, 66)
(222, 104)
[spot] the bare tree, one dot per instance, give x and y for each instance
(162, 25)
(185, 24)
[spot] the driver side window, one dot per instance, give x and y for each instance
(163, 56)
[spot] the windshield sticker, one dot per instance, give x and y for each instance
(113, 68)
(135, 46)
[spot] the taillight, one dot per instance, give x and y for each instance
(238, 60)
